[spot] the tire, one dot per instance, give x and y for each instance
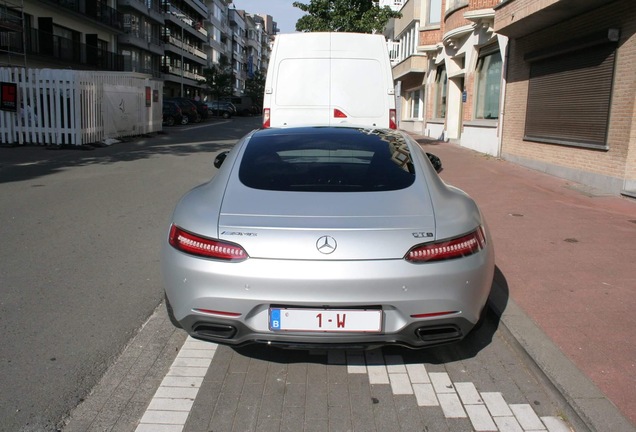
(185, 120)
(173, 320)
(197, 119)
(170, 121)
(226, 115)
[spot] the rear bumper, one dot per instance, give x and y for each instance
(405, 292)
(416, 335)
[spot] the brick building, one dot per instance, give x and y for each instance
(570, 98)
(447, 64)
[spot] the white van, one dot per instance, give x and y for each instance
(329, 79)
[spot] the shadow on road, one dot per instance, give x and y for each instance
(18, 163)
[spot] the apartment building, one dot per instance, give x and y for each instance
(141, 44)
(570, 94)
(75, 34)
(218, 25)
(185, 43)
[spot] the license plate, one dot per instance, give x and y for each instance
(325, 320)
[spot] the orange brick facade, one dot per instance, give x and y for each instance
(618, 162)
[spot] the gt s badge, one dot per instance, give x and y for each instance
(422, 234)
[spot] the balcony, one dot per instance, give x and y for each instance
(410, 65)
(145, 42)
(74, 54)
(155, 11)
(95, 10)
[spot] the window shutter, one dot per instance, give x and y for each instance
(569, 97)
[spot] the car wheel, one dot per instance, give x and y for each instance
(185, 120)
(170, 121)
(226, 115)
(173, 320)
(197, 118)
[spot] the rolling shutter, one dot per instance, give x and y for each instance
(569, 97)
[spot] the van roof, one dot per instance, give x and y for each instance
(330, 45)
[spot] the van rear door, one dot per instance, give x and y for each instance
(329, 79)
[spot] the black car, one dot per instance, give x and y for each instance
(222, 109)
(202, 108)
(189, 110)
(171, 113)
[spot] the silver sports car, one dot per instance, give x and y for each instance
(327, 237)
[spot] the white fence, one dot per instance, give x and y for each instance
(56, 106)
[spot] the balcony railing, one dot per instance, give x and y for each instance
(394, 52)
(77, 55)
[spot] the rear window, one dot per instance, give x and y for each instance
(327, 160)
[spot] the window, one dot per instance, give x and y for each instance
(488, 76)
(345, 160)
(569, 96)
(434, 12)
(414, 99)
(440, 92)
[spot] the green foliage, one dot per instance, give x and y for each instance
(255, 87)
(219, 79)
(359, 16)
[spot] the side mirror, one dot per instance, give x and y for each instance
(435, 161)
(218, 160)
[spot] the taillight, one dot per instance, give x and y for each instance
(448, 249)
(205, 247)
(266, 119)
(338, 114)
(392, 119)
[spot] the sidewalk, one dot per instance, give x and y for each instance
(568, 257)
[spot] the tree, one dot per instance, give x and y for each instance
(360, 16)
(255, 87)
(219, 79)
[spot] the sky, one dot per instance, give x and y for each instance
(282, 11)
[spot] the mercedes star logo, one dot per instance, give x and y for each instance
(326, 245)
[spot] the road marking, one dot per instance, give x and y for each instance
(171, 405)
(487, 411)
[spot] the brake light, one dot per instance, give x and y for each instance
(448, 249)
(205, 247)
(392, 119)
(266, 119)
(338, 114)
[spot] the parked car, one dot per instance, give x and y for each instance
(189, 110)
(171, 113)
(221, 109)
(327, 237)
(202, 108)
(243, 104)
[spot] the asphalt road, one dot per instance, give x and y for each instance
(79, 259)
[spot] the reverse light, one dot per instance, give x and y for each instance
(338, 114)
(205, 247)
(448, 249)
(266, 118)
(392, 119)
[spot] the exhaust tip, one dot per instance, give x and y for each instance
(219, 331)
(436, 334)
